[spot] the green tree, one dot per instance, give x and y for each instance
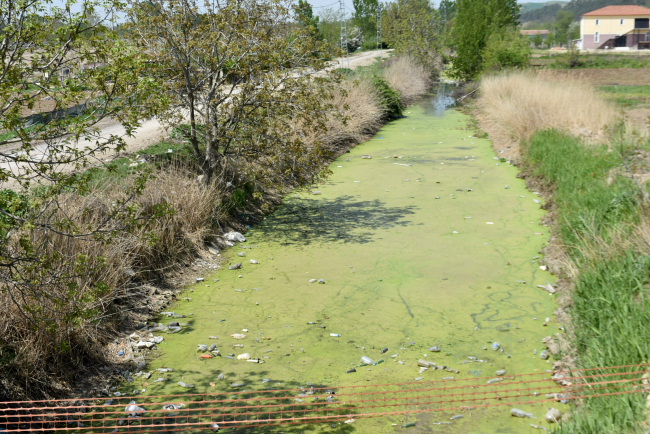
(305, 16)
(563, 21)
(237, 73)
(329, 24)
(365, 16)
(475, 21)
(45, 52)
(447, 10)
(506, 50)
(412, 27)
(538, 40)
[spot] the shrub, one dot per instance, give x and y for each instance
(506, 50)
(390, 98)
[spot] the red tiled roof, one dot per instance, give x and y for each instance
(535, 32)
(619, 10)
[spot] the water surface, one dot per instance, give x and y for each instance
(421, 245)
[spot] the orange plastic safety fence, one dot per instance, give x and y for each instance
(256, 408)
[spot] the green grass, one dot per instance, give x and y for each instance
(593, 61)
(627, 96)
(611, 322)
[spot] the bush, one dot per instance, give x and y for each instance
(506, 51)
(390, 98)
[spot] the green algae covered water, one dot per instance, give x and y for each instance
(421, 245)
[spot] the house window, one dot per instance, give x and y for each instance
(622, 21)
(597, 22)
(647, 36)
(596, 37)
(642, 23)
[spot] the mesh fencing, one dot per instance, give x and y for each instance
(315, 404)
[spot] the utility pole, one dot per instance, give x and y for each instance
(379, 40)
(344, 31)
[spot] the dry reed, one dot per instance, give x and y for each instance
(512, 107)
(410, 79)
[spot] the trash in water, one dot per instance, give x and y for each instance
(553, 415)
(238, 336)
(408, 425)
(316, 193)
(173, 406)
(548, 288)
(367, 157)
(236, 385)
(458, 416)
(501, 372)
(321, 281)
(518, 413)
(242, 254)
(133, 410)
(120, 353)
(495, 346)
(434, 349)
(383, 350)
(253, 261)
(235, 267)
(202, 348)
(494, 380)
(313, 280)
(351, 371)
(544, 355)
(244, 356)
(214, 427)
(367, 360)
(187, 386)
(335, 335)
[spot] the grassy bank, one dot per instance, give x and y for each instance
(180, 217)
(600, 225)
(599, 210)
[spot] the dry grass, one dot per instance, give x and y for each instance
(35, 357)
(512, 107)
(357, 115)
(408, 78)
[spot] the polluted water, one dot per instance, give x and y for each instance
(401, 273)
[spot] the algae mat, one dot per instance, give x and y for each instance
(429, 248)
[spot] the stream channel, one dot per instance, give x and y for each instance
(421, 245)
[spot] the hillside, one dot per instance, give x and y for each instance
(529, 7)
(578, 7)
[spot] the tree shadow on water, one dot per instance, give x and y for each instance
(344, 219)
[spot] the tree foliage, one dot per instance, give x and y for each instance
(306, 18)
(72, 64)
(242, 76)
(506, 50)
(365, 16)
(412, 28)
(475, 22)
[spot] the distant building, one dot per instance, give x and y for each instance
(616, 27)
(532, 33)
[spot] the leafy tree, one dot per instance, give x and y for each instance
(563, 21)
(305, 16)
(447, 10)
(329, 25)
(365, 16)
(46, 54)
(538, 40)
(412, 27)
(243, 77)
(475, 22)
(506, 50)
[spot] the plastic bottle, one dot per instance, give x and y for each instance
(495, 346)
(367, 360)
(518, 413)
(335, 335)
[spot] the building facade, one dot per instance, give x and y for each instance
(616, 27)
